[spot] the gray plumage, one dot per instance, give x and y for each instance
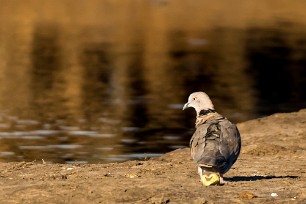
(215, 144)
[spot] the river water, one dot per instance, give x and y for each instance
(105, 81)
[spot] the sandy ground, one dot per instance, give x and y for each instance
(270, 169)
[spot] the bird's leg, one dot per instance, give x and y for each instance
(200, 171)
(222, 182)
(221, 179)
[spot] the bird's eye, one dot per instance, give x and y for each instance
(194, 98)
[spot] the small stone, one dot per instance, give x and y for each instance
(131, 175)
(247, 195)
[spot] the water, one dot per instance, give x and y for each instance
(104, 81)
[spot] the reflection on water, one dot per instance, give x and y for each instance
(104, 81)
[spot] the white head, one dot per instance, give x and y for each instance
(199, 101)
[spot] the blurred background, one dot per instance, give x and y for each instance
(105, 81)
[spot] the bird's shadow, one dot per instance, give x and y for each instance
(255, 178)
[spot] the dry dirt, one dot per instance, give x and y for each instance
(270, 169)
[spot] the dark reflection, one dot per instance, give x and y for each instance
(191, 70)
(137, 115)
(45, 83)
(96, 61)
(192, 64)
(276, 58)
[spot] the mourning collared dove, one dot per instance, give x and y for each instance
(215, 144)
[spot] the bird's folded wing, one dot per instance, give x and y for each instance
(216, 143)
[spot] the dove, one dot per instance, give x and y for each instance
(216, 142)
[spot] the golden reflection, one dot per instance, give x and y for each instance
(110, 77)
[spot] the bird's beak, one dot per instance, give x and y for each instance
(186, 106)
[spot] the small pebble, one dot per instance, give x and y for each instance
(247, 195)
(274, 194)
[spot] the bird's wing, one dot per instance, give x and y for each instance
(230, 144)
(231, 141)
(205, 144)
(216, 143)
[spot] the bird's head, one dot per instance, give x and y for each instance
(199, 101)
